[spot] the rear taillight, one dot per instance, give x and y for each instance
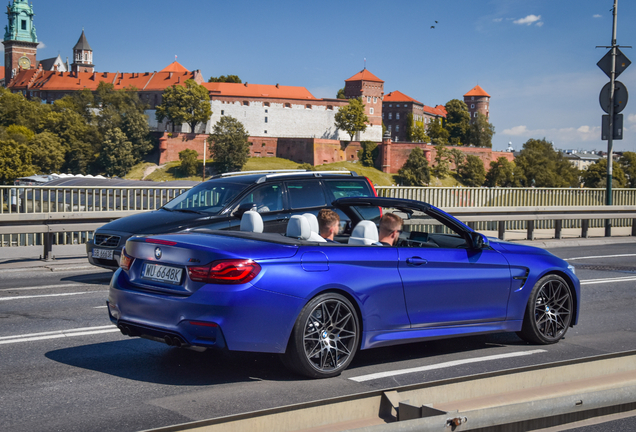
(126, 260)
(225, 272)
(161, 242)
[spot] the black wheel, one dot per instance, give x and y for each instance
(549, 311)
(325, 337)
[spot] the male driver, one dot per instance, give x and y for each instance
(328, 224)
(390, 229)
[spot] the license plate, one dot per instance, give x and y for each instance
(162, 273)
(103, 254)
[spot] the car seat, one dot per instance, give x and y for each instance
(298, 227)
(313, 225)
(365, 233)
(252, 221)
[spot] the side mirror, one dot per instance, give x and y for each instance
(479, 240)
(238, 212)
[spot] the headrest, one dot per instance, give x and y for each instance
(313, 222)
(365, 233)
(252, 221)
(298, 227)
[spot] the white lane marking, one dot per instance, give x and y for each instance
(608, 280)
(77, 285)
(49, 295)
(600, 256)
(57, 334)
(379, 375)
(99, 307)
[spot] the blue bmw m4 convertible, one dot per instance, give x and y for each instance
(316, 303)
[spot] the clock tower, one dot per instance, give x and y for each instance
(20, 41)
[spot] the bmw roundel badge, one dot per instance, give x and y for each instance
(158, 252)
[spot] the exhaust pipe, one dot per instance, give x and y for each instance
(124, 330)
(176, 342)
(168, 340)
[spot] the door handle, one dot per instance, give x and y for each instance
(416, 261)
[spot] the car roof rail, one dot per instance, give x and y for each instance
(316, 173)
(258, 172)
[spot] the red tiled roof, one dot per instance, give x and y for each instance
(439, 110)
(35, 80)
(397, 96)
(364, 75)
(477, 91)
(258, 91)
(175, 66)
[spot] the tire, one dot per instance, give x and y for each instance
(549, 311)
(325, 337)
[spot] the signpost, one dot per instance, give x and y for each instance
(613, 99)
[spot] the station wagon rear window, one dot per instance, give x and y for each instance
(348, 188)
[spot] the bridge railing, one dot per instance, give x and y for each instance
(30, 204)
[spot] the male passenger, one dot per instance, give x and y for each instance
(328, 224)
(390, 229)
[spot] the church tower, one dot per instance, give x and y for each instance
(370, 89)
(82, 56)
(20, 41)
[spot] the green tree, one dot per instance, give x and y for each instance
(351, 118)
(441, 169)
(628, 164)
(538, 164)
(228, 144)
(480, 132)
(472, 173)
(415, 171)
(226, 79)
(15, 161)
(19, 134)
(185, 105)
(116, 156)
(410, 124)
(501, 173)
(457, 156)
(368, 153)
(419, 133)
(437, 132)
(48, 154)
(595, 176)
(457, 121)
(341, 94)
(189, 162)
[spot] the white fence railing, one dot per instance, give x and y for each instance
(26, 202)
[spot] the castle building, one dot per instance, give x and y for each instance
(82, 56)
(396, 108)
(20, 40)
(478, 101)
(370, 88)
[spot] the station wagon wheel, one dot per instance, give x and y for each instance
(325, 337)
(549, 311)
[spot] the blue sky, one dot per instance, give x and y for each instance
(536, 58)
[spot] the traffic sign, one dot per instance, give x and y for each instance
(622, 62)
(620, 97)
(617, 126)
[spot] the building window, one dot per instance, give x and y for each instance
(370, 110)
(222, 112)
(266, 104)
(390, 105)
(375, 99)
(476, 115)
(287, 105)
(472, 98)
(263, 144)
(23, 24)
(390, 116)
(368, 99)
(265, 111)
(472, 105)
(246, 103)
(265, 119)
(382, 116)
(308, 106)
(330, 107)
(397, 116)
(389, 128)
(265, 132)
(397, 128)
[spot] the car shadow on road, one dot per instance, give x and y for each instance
(101, 278)
(146, 361)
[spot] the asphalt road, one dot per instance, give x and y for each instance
(65, 367)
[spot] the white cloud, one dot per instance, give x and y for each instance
(631, 118)
(540, 24)
(498, 20)
(516, 131)
(41, 45)
(529, 20)
(597, 16)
